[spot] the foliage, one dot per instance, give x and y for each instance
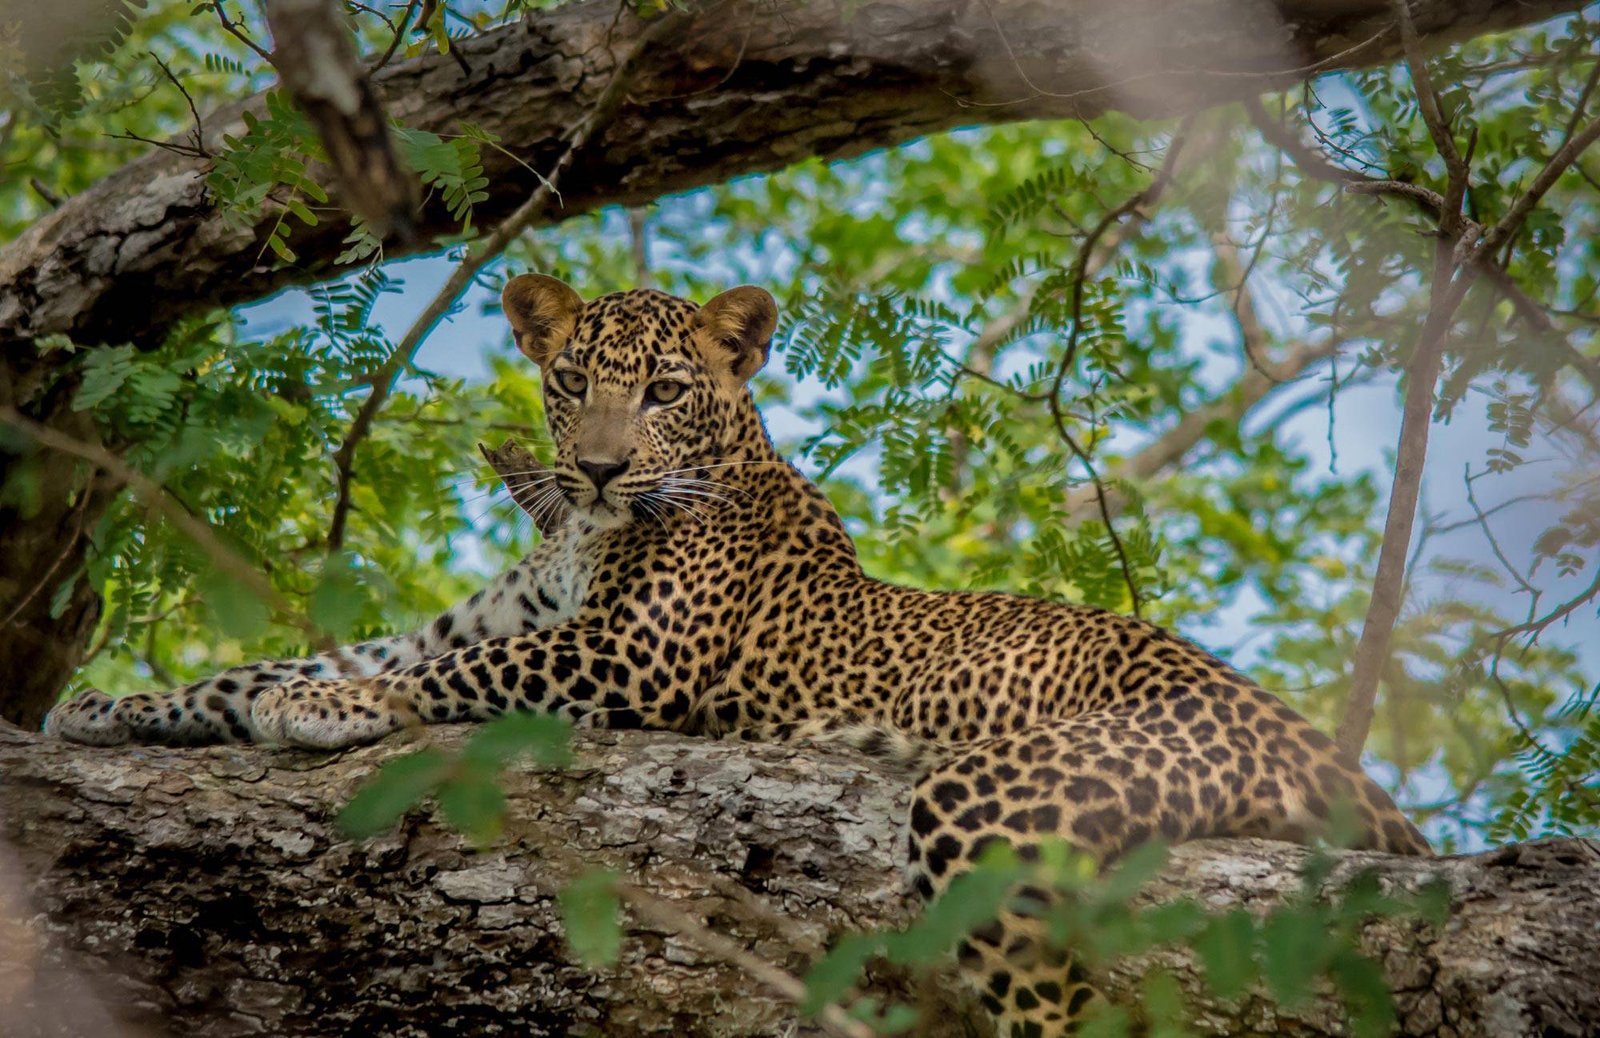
(1290, 950)
(465, 785)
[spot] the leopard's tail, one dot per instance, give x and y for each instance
(894, 747)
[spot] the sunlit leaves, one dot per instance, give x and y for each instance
(451, 166)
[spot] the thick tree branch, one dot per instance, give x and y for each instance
(208, 891)
(749, 86)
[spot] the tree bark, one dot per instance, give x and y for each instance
(748, 86)
(48, 513)
(209, 894)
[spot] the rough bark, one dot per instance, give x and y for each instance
(48, 512)
(748, 86)
(209, 893)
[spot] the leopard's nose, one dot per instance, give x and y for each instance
(602, 472)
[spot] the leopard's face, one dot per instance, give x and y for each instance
(641, 390)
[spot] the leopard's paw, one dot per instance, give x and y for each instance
(322, 715)
(91, 717)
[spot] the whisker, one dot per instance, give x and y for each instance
(545, 505)
(684, 506)
(700, 493)
(650, 508)
(721, 465)
(715, 484)
(497, 474)
(512, 489)
(708, 491)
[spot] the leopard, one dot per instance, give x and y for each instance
(697, 582)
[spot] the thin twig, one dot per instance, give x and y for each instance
(1537, 625)
(1433, 116)
(354, 5)
(237, 32)
(1080, 274)
(639, 246)
(199, 127)
(658, 912)
(1494, 543)
(399, 34)
(186, 150)
(1580, 107)
(477, 257)
(79, 510)
(1228, 405)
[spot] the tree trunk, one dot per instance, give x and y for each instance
(48, 510)
(209, 894)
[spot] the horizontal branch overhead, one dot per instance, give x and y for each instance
(747, 86)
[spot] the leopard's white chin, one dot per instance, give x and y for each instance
(603, 515)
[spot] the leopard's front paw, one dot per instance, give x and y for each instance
(323, 715)
(91, 717)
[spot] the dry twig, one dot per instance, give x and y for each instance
(658, 912)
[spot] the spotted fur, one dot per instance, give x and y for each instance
(700, 583)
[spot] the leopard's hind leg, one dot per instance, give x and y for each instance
(1108, 780)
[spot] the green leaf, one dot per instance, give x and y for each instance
(475, 806)
(1295, 945)
(276, 241)
(591, 917)
(1136, 868)
(397, 787)
(104, 372)
(830, 979)
(237, 610)
(545, 737)
(1227, 952)
(338, 599)
(1366, 994)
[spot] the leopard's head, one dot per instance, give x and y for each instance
(640, 388)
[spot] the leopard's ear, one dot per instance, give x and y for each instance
(543, 312)
(739, 325)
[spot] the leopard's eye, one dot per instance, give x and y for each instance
(663, 391)
(574, 382)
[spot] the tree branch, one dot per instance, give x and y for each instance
(1454, 269)
(1166, 451)
(1079, 278)
(523, 476)
(748, 86)
(156, 498)
(255, 915)
(315, 55)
